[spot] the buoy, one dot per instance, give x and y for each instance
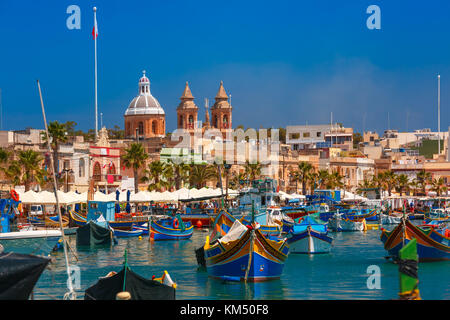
(140, 238)
(124, 295)
(199, 224)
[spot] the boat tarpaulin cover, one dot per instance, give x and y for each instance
(139, 288)
(19, 274)
(93, 234)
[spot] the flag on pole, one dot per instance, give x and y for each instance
(95, 29)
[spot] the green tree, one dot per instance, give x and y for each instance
(323, 176)
(438, 186)
(135, 157)
(252, 170)
(357, 139)
(389, 180)
(302, 174)
(30, 162)
(200, 174)
(424, 179)
(58, 135)
(154, 175)
(402, 184)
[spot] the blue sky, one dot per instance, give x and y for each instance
(284, 62)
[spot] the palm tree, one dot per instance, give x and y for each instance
(153, 175)
(402, 183)
(313, 179)
(438, 185)
(252, 170)
(389, 179)
(414, 186)
(4, 157)
(134, 158)
(13, 172)
(424, 179)
(236, 179)
(323, 176)
(302, 174)
(335, 180)
(30, 162)
(58, 134)
(180, 171)
(200, 174)
(365, 184)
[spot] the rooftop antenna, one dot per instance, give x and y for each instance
(389, 122)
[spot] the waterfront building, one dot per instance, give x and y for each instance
(319, 137)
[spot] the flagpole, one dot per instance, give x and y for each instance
(439, 114)
(95, 46)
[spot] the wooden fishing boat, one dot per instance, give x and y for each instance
(127, 233)
(144, 228)
(51, 223)
(432, 244)
(242, 253)
(273, 221)
(19, 274)
(296, 212)
(246, 256)
(309, 236)
(76, 219)
(128, 285)
(350, 214)
(170, 228)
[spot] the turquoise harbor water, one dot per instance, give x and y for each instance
(342, 274)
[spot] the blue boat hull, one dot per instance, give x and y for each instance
(254, 258)
(124, 233)
(164, 230)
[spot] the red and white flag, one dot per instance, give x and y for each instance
(95, 29)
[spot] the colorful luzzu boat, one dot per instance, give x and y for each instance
(432, 244)
(273, 221)
(309, 236)
(170, 228)
(244, 253)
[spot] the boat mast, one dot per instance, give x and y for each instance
(71, 294)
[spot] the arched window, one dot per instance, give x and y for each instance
(97, 172)
(154, 126)
(225, 121)
(81, 168)
(215, 122)
(181, 121)
(141, 128)
(112, 169)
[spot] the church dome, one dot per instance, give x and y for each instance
(144, 103)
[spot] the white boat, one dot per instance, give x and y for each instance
(37, 242)
(386, 219)
(337, 223)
